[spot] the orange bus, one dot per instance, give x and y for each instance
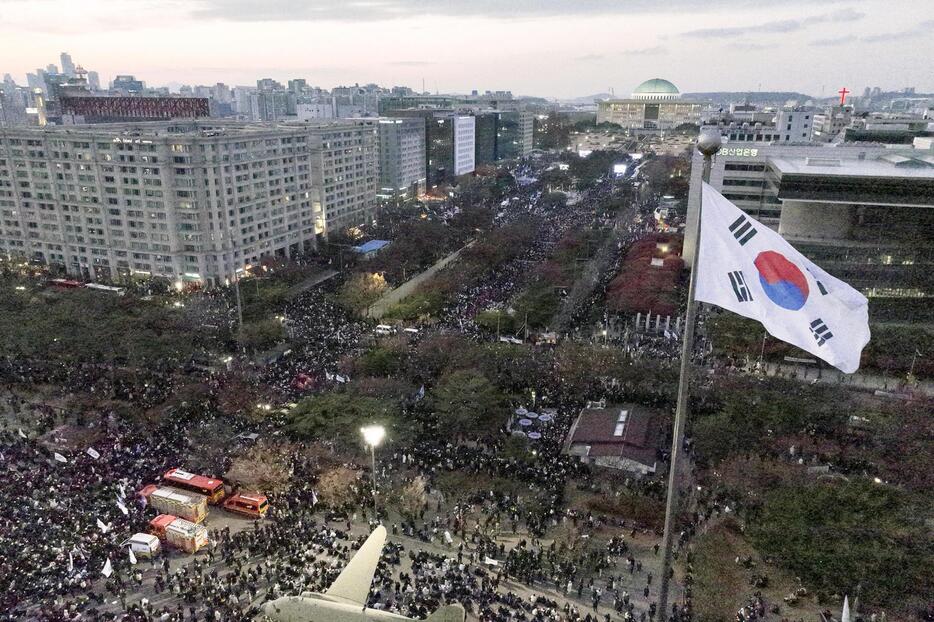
(210, 487)
(248, 503)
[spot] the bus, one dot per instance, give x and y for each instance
(106, 288)
(210, 487)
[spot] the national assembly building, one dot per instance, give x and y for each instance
(655, 105)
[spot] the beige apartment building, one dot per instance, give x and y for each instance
(194, 201)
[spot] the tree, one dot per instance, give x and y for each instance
(339, 416)
(260, 335)
(361, 290)
(412, 497)
(468, 403)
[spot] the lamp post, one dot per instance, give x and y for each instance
(373, 435)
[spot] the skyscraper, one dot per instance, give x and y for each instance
(68, 66)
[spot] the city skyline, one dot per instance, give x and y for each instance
(588, 47)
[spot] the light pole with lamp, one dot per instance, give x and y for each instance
(373, 435)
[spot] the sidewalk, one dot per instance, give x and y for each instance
(867, 381)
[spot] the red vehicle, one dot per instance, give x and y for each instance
(210, 487)
(66, 284)
(251, 504)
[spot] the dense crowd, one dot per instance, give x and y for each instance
(68, 512)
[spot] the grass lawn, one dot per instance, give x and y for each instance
(721, 586)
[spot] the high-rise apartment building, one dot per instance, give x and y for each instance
(195, 201)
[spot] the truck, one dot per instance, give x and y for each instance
(179, 533)
(252, 504)
(143, 544)
(188, 505)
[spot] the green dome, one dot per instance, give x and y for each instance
(656, 86)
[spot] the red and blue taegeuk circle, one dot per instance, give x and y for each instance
(783, 281)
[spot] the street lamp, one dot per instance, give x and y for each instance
(373, 435)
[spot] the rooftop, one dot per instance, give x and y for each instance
(902, 165)
(194, 127)
(627, 430)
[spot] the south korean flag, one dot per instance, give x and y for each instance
(749, 269)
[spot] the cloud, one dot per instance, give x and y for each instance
(787, 25)
(752, 47)
(922, 29)
(652, 51)
(834, 41)
(376, 10)
(777, 26)
(589, 57)
(411, 63)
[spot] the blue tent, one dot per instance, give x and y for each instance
(371, 247)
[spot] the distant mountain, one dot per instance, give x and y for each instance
(763, 97)
(587, 99)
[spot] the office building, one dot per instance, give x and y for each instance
(402, 167)
(829, 124)
(464, 147)
(789, 125)
(193, 201)
(447, 149)
(68, 65)
(503, 135)
(655, 105)
(127, 85)
(862, 212)
(399, 100)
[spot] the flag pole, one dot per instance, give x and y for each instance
(708, 143)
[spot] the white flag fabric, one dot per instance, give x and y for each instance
(747, 268)
(60, 458)
(132, 556)
(123, 508)
(93, 453)
(71, 563)
(845, 616)
(100, 525)
(21, 433)
(108, 569)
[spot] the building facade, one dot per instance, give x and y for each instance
(78, 110)
(863, 212)
(465, 135)
(192, 201)
(401, 157)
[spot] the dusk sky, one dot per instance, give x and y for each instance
(533, 47)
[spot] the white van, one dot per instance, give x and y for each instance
(143, 544)
(383, 329)
(410, 330)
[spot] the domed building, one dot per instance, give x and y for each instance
(655, 105)
(656, 89)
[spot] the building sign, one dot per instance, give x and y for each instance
(739, 152)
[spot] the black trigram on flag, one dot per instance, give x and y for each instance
(738, 281)
(820, 286)
(742, 230)
(820, 331)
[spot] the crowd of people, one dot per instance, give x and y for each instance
(70, 510)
